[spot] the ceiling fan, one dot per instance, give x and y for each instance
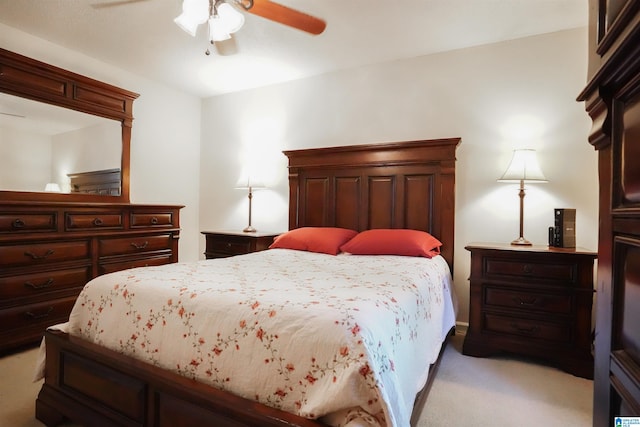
(223, 17)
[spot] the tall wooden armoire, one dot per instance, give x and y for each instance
(612, 99)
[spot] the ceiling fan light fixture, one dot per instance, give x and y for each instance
(225, 21)
(194, 13)
(217, 31)
(233, 20)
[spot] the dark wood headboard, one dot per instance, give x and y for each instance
(391, 185)
(104, 182)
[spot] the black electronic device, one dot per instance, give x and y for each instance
(563, 233)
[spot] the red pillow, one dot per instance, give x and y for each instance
(326, 240)
(396, 241)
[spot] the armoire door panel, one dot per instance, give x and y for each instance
(630, 154)
(418, 190)
(381, 202)
(347, 189)
(627, 299)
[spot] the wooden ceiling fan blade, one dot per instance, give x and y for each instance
(114, 3)
(287, 16)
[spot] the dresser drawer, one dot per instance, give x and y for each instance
(37, 286)
(529, 301)
(27, 222)
(496, 267)
(133, 263)
(139, 219)
(43, 253)
(33, 319)
(132, 245)
(528, 328)
(93, 221)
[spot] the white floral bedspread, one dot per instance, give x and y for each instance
(346, 338)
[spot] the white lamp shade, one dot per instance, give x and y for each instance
(52, 187)
(224, 23)
(523, 167)
(217, 32)
(194, 13)
(233, 20)
(249, 181)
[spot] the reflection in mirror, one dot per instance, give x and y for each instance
(42, 144)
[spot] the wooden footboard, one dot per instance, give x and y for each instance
(94, 386)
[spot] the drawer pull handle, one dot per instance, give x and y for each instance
(527, 268)
(18, 223)
(140, 246)
(46, 284)
(40, 315)
(154, 220)
(34, 256)
(98, 222)
(229, 245)
(526, 331)
(529, 302)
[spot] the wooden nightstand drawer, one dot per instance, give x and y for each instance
(229, 243)
(529, 328)
(230, 248)
(539, 271)
(529, 301)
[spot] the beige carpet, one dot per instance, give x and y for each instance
(468, 391)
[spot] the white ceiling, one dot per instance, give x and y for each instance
(140, 35)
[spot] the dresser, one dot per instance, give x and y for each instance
(534, 301)
(49, 251)
(221, 244)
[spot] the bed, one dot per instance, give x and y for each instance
(408, 185)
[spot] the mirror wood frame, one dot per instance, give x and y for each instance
(28, 78)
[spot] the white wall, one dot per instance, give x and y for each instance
(476, 94)
(165, 143)
(22, 150)
(486, 95)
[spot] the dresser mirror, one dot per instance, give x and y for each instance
(63, 137)
(43, 145)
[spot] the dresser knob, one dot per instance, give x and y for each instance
(36, 316)
(528, 302)
(527, 268)
(140, 246)
(97, 222)
(18, 223)
(36, 257)
(154, 220)
(532, 330)
(46, 284)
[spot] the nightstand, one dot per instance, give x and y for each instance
(534, 301)
(220, 244)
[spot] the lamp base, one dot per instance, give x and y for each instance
(249, 229)
(521, 241)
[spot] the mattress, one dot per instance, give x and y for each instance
(347, 339)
